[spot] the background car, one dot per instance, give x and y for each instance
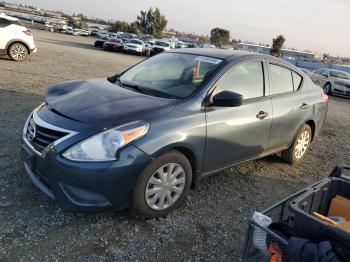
(135, 46)
(84, 32)
(113, 44)
(16, 40)
(101, 40)
(160, 46)
(306, 71)
(332, 81)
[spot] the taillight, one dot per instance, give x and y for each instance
(28, 32)
(324, 97)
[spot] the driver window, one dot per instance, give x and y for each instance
(246, 79)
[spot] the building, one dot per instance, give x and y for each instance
(286, 53)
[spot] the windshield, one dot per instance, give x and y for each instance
(135, 42)
(171, 74)
(162, 44)
(113, 40)
(338, 74)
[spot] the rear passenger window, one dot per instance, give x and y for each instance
(246, 79)
(4, 22)
(282, 81)
(296, 80)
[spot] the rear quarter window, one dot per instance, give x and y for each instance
(297, 79)
(282, 80)
(4, 22)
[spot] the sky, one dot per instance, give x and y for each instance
(317, 25)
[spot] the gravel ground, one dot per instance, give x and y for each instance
(209, 226)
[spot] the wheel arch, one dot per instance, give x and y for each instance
(189, 154)
(311, 123)
(14, 41)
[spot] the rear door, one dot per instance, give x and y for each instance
(236, 134)
(290, 102)
(7, 32)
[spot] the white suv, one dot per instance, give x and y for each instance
(15, 40)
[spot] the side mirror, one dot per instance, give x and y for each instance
(227, 99)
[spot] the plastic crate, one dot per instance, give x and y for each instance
(318, 199)
(257, 237)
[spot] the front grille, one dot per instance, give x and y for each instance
(40, 137)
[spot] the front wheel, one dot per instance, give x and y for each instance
(327, 89)
(296, 152)
(163, 185)
(18, 52)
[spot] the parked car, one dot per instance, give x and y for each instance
(160, 46)
(113, 44)
(69, 30)
(16, 41)
(100, 41)
(134, 46)
(208, 46)
(84, 32)
(144, 136)
(181, 45)
(307, 72)
(332, 81)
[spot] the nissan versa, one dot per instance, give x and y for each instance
(143, 137)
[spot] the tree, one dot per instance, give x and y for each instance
(120, 26)
(151, 22)
(277, 44)
(203, 39)
(133, 28)
(219, 36)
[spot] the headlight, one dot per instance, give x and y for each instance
(103, 146)
(340, 83)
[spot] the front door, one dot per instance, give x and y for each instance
(236, 134)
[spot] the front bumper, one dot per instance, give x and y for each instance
(85, 186)
(130, 50)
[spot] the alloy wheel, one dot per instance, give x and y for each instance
(18, 52)
(165, 186)
(302, 144)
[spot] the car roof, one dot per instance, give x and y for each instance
(218, 53)
(339, 71)
(2, 15)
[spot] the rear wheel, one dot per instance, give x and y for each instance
(296, 152)
(163, 185)
(18, 52)
(327, 89)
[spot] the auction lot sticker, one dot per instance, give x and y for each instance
(210, 60)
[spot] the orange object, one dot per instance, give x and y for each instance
(196, 71)
(276, 252)
(340, 206)
(325, 219)
(344, 226)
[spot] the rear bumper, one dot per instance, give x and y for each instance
(33, 50)
(85, 186)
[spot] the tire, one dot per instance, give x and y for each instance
(296, 152)
(327, 89)
(18, 52)
(152, 189)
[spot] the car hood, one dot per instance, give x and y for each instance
(99, 102)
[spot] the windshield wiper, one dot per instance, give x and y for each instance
(144, 90)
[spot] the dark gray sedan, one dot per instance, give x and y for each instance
(144, 136)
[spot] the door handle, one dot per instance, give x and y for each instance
(304, 106)
(261, 115)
